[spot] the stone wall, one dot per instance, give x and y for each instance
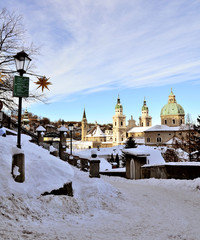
(171, 171)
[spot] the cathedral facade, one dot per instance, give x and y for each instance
(172, 115)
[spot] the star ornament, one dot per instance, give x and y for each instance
(43, 83)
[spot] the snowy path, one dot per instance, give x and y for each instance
(158, 212)
(141, 211)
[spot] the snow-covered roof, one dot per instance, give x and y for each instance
(135, 152)
(154, 156)
(167, 128)
(96, 132)
(138, 129)
(62, 129)
(40, 129)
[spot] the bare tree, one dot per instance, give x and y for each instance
(12, 37)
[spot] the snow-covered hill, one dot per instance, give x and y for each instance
(106, 208)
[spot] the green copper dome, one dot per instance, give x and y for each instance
(118, 106)
(172, 109)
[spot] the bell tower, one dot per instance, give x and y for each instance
(145, 120)
(119, 124)
(84, 126)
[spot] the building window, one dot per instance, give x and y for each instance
(165, 121)
(142, 124)
(173, 121)
(148, 139)
(115, 139)
(159, 140)
(122, 139)
(115, 123)
(121, 123)
(158, 134)
(181, 121)
(170, 134)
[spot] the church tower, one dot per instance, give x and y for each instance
(145, 120)
(84, 126)
(119, 124)
(25, 119)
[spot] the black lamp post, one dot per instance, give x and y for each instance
(22, 62)
(71, 127)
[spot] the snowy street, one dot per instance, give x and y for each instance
(141, 211)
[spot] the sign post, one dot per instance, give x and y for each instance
(21, 86)
(20, 89)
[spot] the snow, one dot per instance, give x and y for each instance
(62, 129)
(2, 131)
(102, 208)
(138, 129)
(40, 129)
(43, 171)
(97, 132)
(153, 154)
(167, 128)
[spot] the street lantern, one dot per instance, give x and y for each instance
(71, 128)
(22, 62)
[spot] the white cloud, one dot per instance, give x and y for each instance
(94, 44)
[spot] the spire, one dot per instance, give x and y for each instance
(144, 104)
(84, 115)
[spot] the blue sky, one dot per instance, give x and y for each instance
(94, 50)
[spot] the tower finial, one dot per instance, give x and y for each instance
(118, 99)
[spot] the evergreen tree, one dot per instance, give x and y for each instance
(130, 143)
(111, 158)
(117, 160)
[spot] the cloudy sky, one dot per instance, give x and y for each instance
(93, 50)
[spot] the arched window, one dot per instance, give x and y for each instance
(159, 140)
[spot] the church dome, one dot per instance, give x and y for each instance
(172, 107)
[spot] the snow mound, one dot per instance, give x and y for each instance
(43, 172)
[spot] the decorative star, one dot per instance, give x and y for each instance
(43, 82)
(2, 76)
